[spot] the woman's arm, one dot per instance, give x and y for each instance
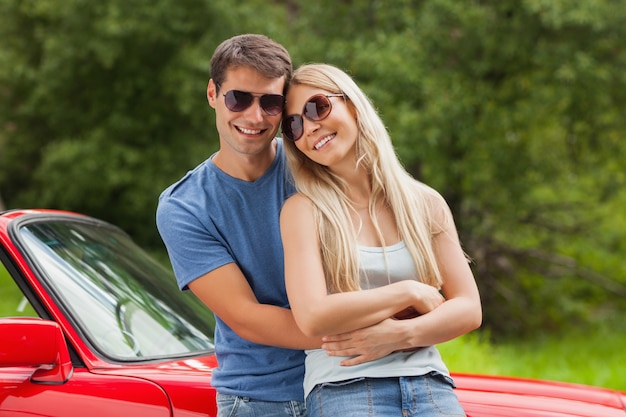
(318, 313)
(462, 310)
(458, 315)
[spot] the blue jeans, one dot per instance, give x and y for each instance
(235, 406)
(424, 396)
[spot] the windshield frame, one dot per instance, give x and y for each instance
(20, 233)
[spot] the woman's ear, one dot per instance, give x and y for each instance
(352, 109)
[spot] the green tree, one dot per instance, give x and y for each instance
(104, 104)
(514, 110)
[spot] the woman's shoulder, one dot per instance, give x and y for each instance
(429, 194)
(297, 203)
(298, 199)
(436, 206)
(297, 214)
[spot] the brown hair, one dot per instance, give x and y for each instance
(259, 52)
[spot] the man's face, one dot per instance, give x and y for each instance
(250, 131)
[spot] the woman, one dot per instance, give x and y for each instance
(365, 242)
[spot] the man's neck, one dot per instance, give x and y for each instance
(246, 167)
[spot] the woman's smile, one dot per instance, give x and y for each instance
(324, 141)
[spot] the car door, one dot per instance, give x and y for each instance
(84, 394)
(36, 380)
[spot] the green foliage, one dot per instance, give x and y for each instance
(12, 300)
(103, 105)
(513, 110)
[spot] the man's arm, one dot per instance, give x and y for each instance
(226, 292)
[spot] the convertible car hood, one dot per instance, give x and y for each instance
(516, 397)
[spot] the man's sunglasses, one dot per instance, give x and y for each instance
(238, 101)
(315, 109)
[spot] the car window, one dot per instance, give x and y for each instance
(13, 303)
(127, 304)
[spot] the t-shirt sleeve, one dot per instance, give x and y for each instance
(193, 244)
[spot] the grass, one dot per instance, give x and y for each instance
(594, 357)
(12, 302)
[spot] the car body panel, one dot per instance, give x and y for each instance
(521, 397)
(82, 375)
(98, 386)
(85, 394)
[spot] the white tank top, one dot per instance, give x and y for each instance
(321, 368)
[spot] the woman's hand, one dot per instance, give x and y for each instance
(368, 344)
(427, 297)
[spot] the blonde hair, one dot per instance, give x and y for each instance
(408, 199)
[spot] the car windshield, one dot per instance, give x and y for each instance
(126, 303)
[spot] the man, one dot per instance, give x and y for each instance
(220, 224)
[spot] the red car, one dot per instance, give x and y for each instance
(90, 325)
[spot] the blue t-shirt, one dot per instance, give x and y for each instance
(209, 219)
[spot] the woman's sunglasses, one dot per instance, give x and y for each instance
(238, 101)
(315, 109)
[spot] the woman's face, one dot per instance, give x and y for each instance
(330, 141)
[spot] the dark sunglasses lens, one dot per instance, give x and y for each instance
(272, 103)
(317, 108)
(292, 127)
(238, 100)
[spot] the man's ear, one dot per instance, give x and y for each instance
(211, 93)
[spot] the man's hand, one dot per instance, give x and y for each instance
(368, 344)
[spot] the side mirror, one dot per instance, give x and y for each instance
(36, 343)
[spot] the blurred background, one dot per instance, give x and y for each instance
(514, 110)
